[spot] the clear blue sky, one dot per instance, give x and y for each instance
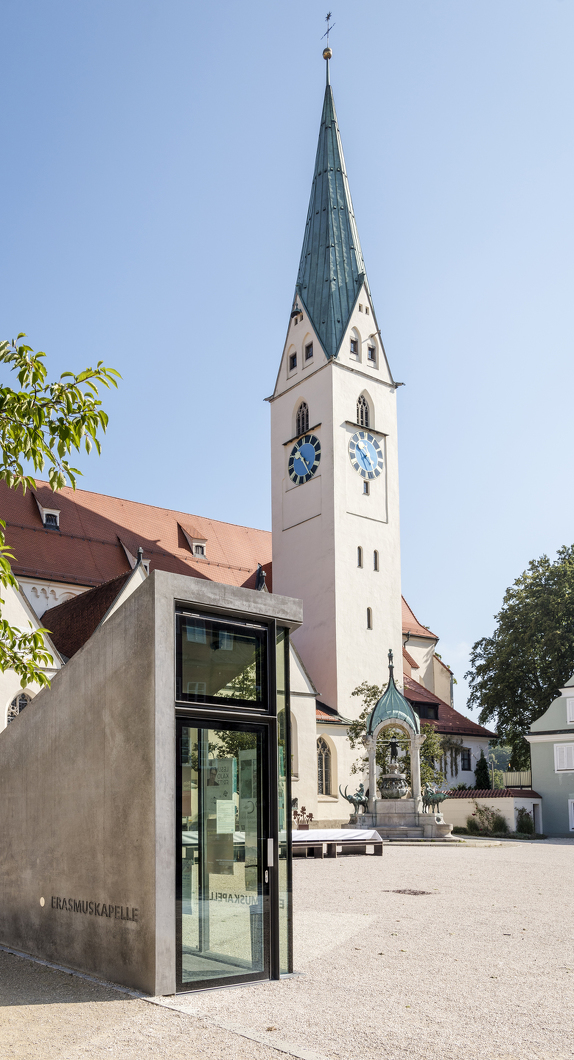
(157, 160)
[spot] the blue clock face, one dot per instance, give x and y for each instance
(366, 454)
(304, 459)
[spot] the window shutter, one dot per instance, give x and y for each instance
(563, 757)
(570, 711)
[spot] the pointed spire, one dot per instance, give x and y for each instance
(331, 270)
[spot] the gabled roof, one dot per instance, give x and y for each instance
(449, 721)
(95, 531)
(331, 270)
(72, 623)
(412, 625)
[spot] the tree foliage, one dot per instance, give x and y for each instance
(41, 424)
(517, 672)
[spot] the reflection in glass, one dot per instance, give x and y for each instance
(219, 662)
(221, 866)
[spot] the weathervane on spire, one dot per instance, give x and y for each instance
(328, 18)
(327, 53)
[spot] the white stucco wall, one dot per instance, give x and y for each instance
(318, 526)
(42, 593)
(457, 811)
(18, 612)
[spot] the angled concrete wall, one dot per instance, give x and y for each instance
(77, 808)
(87, 793)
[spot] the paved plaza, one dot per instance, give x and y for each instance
(481, 967)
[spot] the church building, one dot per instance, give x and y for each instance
(335, 541)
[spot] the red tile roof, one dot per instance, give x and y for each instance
(325, 713)
(87, 549)
(449, 719)
(495, 793)
(410, 660)
(412, 625)
(72, 623)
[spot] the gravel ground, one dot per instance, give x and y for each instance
(480, 968)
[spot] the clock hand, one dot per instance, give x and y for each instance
(303, 461)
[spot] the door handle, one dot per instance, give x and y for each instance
(270, 853)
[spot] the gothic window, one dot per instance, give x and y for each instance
(323, 767)
(369, 618)
(17, 705)
(375, 560)
(359, 557)
(302, 419)
(363, 411)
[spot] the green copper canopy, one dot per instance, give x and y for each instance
(392, 705)
(331, 270)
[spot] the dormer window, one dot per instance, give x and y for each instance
(199, 550)
(292, 361)
(50, 516)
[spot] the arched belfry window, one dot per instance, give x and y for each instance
(302, 425)
(363, 411)
(17, 705)
(323, 767)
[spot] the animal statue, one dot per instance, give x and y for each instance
(358, 799)
(432, 799)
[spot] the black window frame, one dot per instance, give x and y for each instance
(266, 704)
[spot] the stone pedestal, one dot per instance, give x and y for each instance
(402, 819)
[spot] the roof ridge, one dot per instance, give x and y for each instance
(157, 507)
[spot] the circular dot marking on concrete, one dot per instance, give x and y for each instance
(42, 901)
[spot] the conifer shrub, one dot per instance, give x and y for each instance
(481, 773)
(524, 822)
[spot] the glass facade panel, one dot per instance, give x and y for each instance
(222, 890)
(221, 663)
(284, 799)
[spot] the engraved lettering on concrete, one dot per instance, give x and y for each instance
(75, 905)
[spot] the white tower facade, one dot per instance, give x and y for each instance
(335, 491)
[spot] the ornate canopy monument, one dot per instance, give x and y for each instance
(398, 812)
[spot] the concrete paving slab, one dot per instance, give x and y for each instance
(479, 966)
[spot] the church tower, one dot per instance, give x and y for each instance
(335, 489)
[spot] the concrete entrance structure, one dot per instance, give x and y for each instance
(88, 807)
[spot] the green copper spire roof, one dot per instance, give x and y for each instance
(392, 705)
(331, 270)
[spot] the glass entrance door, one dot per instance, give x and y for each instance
(223, 886)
